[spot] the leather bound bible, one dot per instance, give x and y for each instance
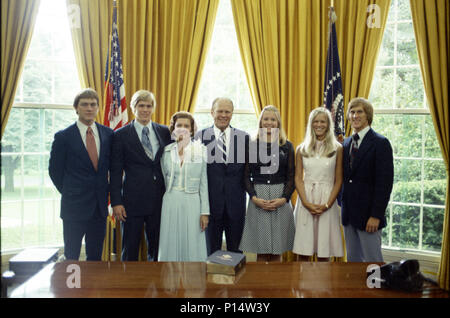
(224, 262)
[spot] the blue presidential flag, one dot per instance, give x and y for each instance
(333, 98)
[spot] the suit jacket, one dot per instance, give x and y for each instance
(226, 182)
(196, 179)
(367, 187)
(136, 180)
(73, 174)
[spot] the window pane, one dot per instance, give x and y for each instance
(11, 234)
(407, 125)
(382, 89)
(407, 186)
(386, 55)
(406, 45)
(433, 220)
(410, 92)
(12, 136)
(434, 183)
(37, 81)
(403, 10)
(49, 74)
(405, 226)
(223, 74)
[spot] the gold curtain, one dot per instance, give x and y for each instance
(90, 28)
(164, 50)
(431, 21)
(18, 19)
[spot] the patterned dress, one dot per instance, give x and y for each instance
(270, 232)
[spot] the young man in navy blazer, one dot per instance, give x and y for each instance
(227, 195)
(79, 167)
(368, 180)
(137, 183)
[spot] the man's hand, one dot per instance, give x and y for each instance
(372, 225)
(119, 212)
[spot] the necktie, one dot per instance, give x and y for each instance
(222, 148)
(354, 149)
(146, 142)
(91, 147)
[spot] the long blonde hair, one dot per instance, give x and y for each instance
(307, 147)
(282, 134)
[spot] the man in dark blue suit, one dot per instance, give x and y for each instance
(137, 183)
(226, 163)
(79, 167)
(368, 180)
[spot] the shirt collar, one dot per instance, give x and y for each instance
(83, 127)
(227, 131)
(362, 133)
(139, 126)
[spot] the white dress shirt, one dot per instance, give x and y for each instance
(361, 134)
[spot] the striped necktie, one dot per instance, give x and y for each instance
(354, 149)
(146, 142)
(222, 148)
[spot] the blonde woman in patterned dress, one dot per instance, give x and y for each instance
(318, 180)
(269, 227)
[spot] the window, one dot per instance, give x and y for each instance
(224, 75)
(416, 211)
(30, 204)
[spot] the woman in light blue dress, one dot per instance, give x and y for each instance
(185, 207)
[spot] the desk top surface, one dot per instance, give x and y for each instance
(170, 279)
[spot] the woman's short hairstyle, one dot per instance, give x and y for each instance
(183, 114)
(142, 95)
(367, 106)
(85, 93)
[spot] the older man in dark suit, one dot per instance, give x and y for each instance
(137, 184)
(368, 181)
(79, 167)
(226, 163)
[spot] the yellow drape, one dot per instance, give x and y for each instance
(90, 28)
(431, 21)
(164, 50)
(18, 19)
(283, 46)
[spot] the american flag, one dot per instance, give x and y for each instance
(333, 99)
(115, 104)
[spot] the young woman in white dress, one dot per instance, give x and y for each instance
(318, 180)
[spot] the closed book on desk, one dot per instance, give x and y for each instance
(224, 262)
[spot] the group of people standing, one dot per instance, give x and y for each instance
(187, 188)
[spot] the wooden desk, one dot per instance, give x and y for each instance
(189, 280)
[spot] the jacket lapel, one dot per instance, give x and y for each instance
(101, 138)
(79, 146)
